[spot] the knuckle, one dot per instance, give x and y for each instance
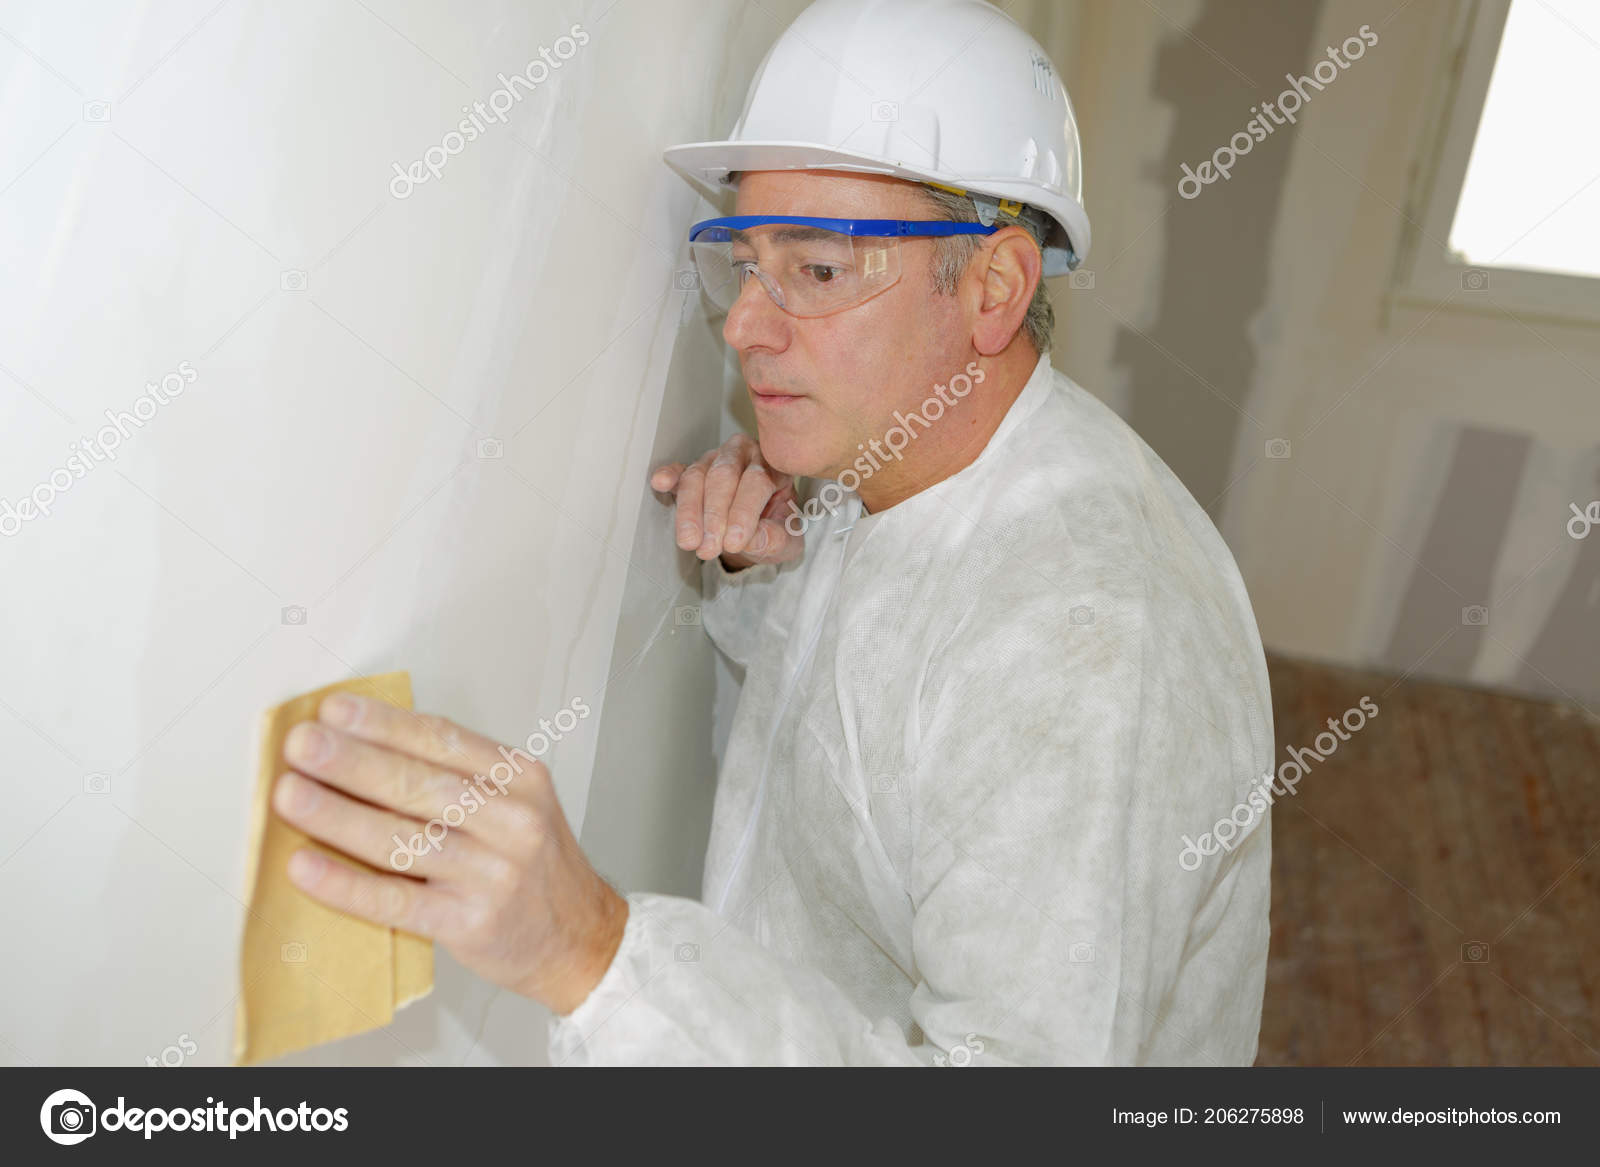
(524, 827)
(394, 901)
(477, 915)
(467, 916)
(412, 783)
(501, 873)
(436, 726)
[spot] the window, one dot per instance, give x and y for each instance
(1504, 215)
(1531, 197)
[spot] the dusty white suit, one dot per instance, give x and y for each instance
(974, 731)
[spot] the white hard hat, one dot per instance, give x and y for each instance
(952, 93)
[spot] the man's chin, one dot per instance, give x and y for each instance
(789, 457)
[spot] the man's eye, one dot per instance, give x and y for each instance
(823, 273)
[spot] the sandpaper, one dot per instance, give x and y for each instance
(308, 973)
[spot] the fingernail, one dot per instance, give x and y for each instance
(305, 866)
(308, 742)
(759, 543)
(341, 709)
(735, 534)
(295, 795)
(687, 531)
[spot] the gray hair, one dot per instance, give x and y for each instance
(952, 253)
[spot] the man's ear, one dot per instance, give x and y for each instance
(1008, 268)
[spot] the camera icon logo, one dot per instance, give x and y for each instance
(688, 279)
(885, 111)
(490, 448)
(1278, 448)
(1081, 280)
(1474, 279)
(1081, 953)
(1475, 952)
(293, 952)
(1475, 614)
(294, 614)
(686, 616)
(68, 1117)
(1082, 614)
(97, 111)
(293, 280)
(97, 783)
(884, 784)
(686, 953)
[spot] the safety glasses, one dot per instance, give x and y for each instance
(810, 267)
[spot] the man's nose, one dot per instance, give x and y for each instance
(755, 320)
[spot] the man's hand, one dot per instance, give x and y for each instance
(506, 891)
(732, 503)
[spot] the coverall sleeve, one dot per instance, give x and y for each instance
(732, 604)
(1047, 925)
(686, 988)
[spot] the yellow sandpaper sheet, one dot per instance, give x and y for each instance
(310, 974)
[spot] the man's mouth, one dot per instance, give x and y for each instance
(767, 395)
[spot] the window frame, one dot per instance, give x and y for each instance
(1429, 276)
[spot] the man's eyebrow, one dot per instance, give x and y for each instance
(787, 234)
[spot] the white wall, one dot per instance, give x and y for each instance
(326, 455)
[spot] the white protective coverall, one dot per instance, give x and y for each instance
(973, 732)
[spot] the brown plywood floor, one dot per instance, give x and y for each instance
(1435, 880)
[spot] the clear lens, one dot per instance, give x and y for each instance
(809, 271)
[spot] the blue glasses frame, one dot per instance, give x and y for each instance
(720, 230)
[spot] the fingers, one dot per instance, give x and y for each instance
(387, 841)
(774, 541)
(371, 773)
(724, 501)
(756, 488)
(767, 543)
(665, 477)
(691, 498)
(780, 512)
(722, 481)
(408, 904)
(435, 740)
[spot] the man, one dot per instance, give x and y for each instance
(997, 672)
(989, 690)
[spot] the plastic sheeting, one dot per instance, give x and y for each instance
(300, 381)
